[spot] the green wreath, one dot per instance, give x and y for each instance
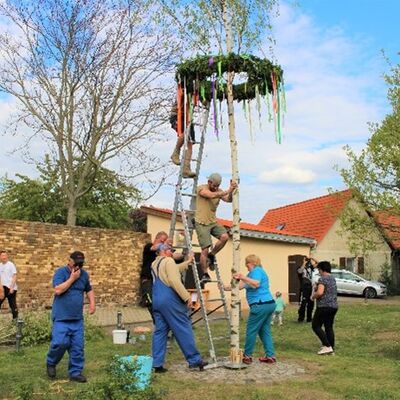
(197, 72)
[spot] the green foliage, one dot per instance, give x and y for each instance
(119, 384)
(374, 175)
(139, 220)
(386, 278)
(24, 391)
(37, 329)
(106, 205)
(199, 70)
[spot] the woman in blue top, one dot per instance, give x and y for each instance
(262, 306)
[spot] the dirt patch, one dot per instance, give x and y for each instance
(389, 335)
(255, 373)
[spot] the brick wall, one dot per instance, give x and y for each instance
(113, 260)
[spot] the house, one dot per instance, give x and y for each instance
(318, 218)
(275, 248)
(390, 228)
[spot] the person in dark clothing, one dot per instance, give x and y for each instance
(146, 280)
(326, 295)
(306, 304)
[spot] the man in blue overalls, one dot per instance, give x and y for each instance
(170, 310)
(70, 283)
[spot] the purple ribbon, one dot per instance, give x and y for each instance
(214, 107)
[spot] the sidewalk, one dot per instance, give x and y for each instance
(104, 316)
(107, 316)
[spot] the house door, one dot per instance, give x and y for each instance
(295, 262)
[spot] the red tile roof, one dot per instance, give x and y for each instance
(227, 223)
(390, 225)
(311, 218)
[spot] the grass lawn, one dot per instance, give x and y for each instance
(366, 365)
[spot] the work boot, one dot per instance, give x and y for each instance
(51, 371)
(176, 156)
(187, 173)
(160, 370)
(78, 378)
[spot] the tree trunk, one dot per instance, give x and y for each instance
(235, 353)
(71, 216)
(235, 298)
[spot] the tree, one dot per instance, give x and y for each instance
(107, 205)
(225, 27)
(87, 75)
(374, 177)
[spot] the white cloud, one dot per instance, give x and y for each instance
(287, 175)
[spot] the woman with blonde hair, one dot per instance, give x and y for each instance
(262, 306)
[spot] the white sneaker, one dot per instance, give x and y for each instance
(325, 350)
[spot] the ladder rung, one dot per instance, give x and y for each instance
(189, 211)
(185, 247)
(195, 142)
(212, 281)
(218, 319)
(189, 194)
(210, 300)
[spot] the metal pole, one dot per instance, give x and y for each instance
(119, 320)
(18, 336)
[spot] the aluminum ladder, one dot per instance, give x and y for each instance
(186, 187)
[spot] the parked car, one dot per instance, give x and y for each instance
(348, 282)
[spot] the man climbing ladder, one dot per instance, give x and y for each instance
(207, 201)
(177, 120)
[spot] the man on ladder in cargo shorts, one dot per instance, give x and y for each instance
(207, 201)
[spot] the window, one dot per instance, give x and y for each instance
(360, 265)
(349, 276)
(336, 275)
(280, 226)
(347, 263)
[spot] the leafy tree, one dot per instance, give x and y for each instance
(374, 177)
(107, 205)
(86, 75)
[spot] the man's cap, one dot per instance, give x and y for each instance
(77, 256)
(163, 247)
(215, 178)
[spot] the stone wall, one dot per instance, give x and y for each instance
(113, 260)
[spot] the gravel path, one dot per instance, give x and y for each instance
(254, 373)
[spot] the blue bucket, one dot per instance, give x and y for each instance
(143, 371)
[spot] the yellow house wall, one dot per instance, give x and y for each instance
(334, 246)
(274, 257)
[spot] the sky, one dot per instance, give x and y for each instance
(331, 54)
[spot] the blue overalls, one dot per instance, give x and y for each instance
(171, 313)
(67, 336)
(68, 328)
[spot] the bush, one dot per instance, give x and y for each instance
(37, 329)
(119, 385)
(387, 279)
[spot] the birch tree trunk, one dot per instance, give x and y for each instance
(235, 295)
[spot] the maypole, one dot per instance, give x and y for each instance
(235, 353)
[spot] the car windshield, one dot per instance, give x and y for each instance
(343, 274)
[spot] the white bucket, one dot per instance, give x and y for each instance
(119, 336)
